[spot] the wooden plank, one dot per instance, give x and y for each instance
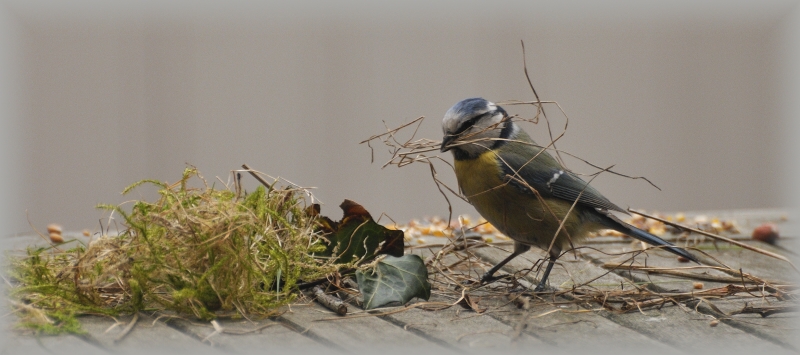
(456, 327)
(20, 341)
(780, 327)
(776, 330)
(561, 328)
(463, 329)
(681, 328)
(147, 335)
(566, 327)
(264, 336)
(64, 344)
(352, 334)
(504, 327)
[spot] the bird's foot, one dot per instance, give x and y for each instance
(526, 289)
(541, 287)
(488, 278)
(519, 289)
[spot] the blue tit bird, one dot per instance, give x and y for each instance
(522, 190)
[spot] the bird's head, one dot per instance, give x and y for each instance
(471, 126)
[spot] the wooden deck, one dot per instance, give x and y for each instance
(557, 325)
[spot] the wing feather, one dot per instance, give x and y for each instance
(548, 178)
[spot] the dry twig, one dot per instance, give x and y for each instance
(766, 311)
(742, 277)
(329, 301)
(718, 237)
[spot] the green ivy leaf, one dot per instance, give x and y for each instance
(392, 280)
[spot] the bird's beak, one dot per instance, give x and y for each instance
(448, 138)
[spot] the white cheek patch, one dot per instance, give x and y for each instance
(497, 118)
(555, 177)
(514, 130)
(450, 124)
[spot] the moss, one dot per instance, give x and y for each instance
(194, 251)
(59, 323)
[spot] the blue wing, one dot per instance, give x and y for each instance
(544, 174)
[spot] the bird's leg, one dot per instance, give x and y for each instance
(551, 260)
(541, 286)
(488, 276)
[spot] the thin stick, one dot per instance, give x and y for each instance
(55, 246)
(540, 107)
(330, 302)
(718, 237)
(766, 311)
(392, 130)
(262, 181)
(674, 272)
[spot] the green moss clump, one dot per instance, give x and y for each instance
(195, 251)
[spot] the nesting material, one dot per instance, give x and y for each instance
(196, 251)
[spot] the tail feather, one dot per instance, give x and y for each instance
(646, 237)
(654, 240)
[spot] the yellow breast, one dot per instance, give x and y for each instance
(478, 175)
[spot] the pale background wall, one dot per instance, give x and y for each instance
(700, 98)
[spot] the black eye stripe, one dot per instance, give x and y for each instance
(469, 123)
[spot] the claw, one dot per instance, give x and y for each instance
(540, 288)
